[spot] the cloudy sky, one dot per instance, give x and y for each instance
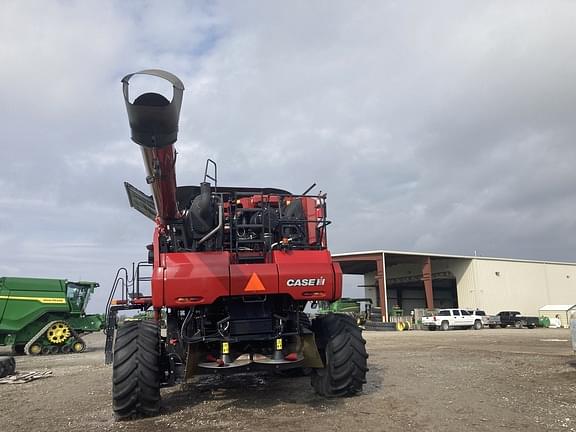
(443, 126)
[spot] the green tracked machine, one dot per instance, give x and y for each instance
(358, 308)
(45, 316)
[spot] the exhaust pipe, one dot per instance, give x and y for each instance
(154, 127)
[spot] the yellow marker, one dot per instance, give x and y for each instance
(279, 344)
(225, 348)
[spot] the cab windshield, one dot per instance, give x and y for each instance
(78, 296)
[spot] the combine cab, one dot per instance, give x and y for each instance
(232, 271)
(45, 316)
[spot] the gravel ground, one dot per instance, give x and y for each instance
(496, 380)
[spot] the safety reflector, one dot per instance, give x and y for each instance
(254, 284)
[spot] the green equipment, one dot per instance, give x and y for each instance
(45, 316)
(357, 308)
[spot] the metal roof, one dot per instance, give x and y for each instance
(437, 255)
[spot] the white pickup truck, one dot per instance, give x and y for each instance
(452, 318)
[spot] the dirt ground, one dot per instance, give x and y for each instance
(468, 380)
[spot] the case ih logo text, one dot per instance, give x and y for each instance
(306, 282)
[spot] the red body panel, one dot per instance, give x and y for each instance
(187, 279)
(241, 274)
(307, 274)
(337, 280)
(193, 278)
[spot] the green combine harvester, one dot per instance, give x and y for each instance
(45, 316)
(357, 308)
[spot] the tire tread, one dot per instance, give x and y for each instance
(343, 349)
(136, 370)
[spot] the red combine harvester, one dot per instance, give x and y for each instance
(232, 271)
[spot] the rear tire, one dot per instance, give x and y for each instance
(136, 370)
(445, 325)
(478, 325)
(343, 352)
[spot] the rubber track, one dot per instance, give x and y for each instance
(343, 349)
(136, 370)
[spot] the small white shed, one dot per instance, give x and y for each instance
(565, 313)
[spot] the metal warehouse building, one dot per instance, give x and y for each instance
(417, 280)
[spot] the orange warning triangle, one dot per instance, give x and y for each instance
(254, 284)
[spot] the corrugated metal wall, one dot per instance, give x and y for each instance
(523, 286)
(490, 284)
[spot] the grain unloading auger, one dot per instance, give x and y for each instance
(232, 270)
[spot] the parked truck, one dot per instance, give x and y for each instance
(480, 314)
(512, 318)
(45, 316)
(446, 319)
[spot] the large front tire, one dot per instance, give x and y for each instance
(343, 352)
(136, 370)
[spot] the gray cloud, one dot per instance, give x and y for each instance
(443, 127)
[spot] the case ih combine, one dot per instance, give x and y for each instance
(232, 270)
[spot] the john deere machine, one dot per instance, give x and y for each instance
(357, 308)
(45, 316)
(233, 269)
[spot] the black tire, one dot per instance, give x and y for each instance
(532, 326)
(492, 326)
(503, 325)
(343, 351)
(136, 370)
(7, 366)
(432, 328)
(445, 326)
(478, 325)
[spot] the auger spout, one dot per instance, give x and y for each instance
(154, 127)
